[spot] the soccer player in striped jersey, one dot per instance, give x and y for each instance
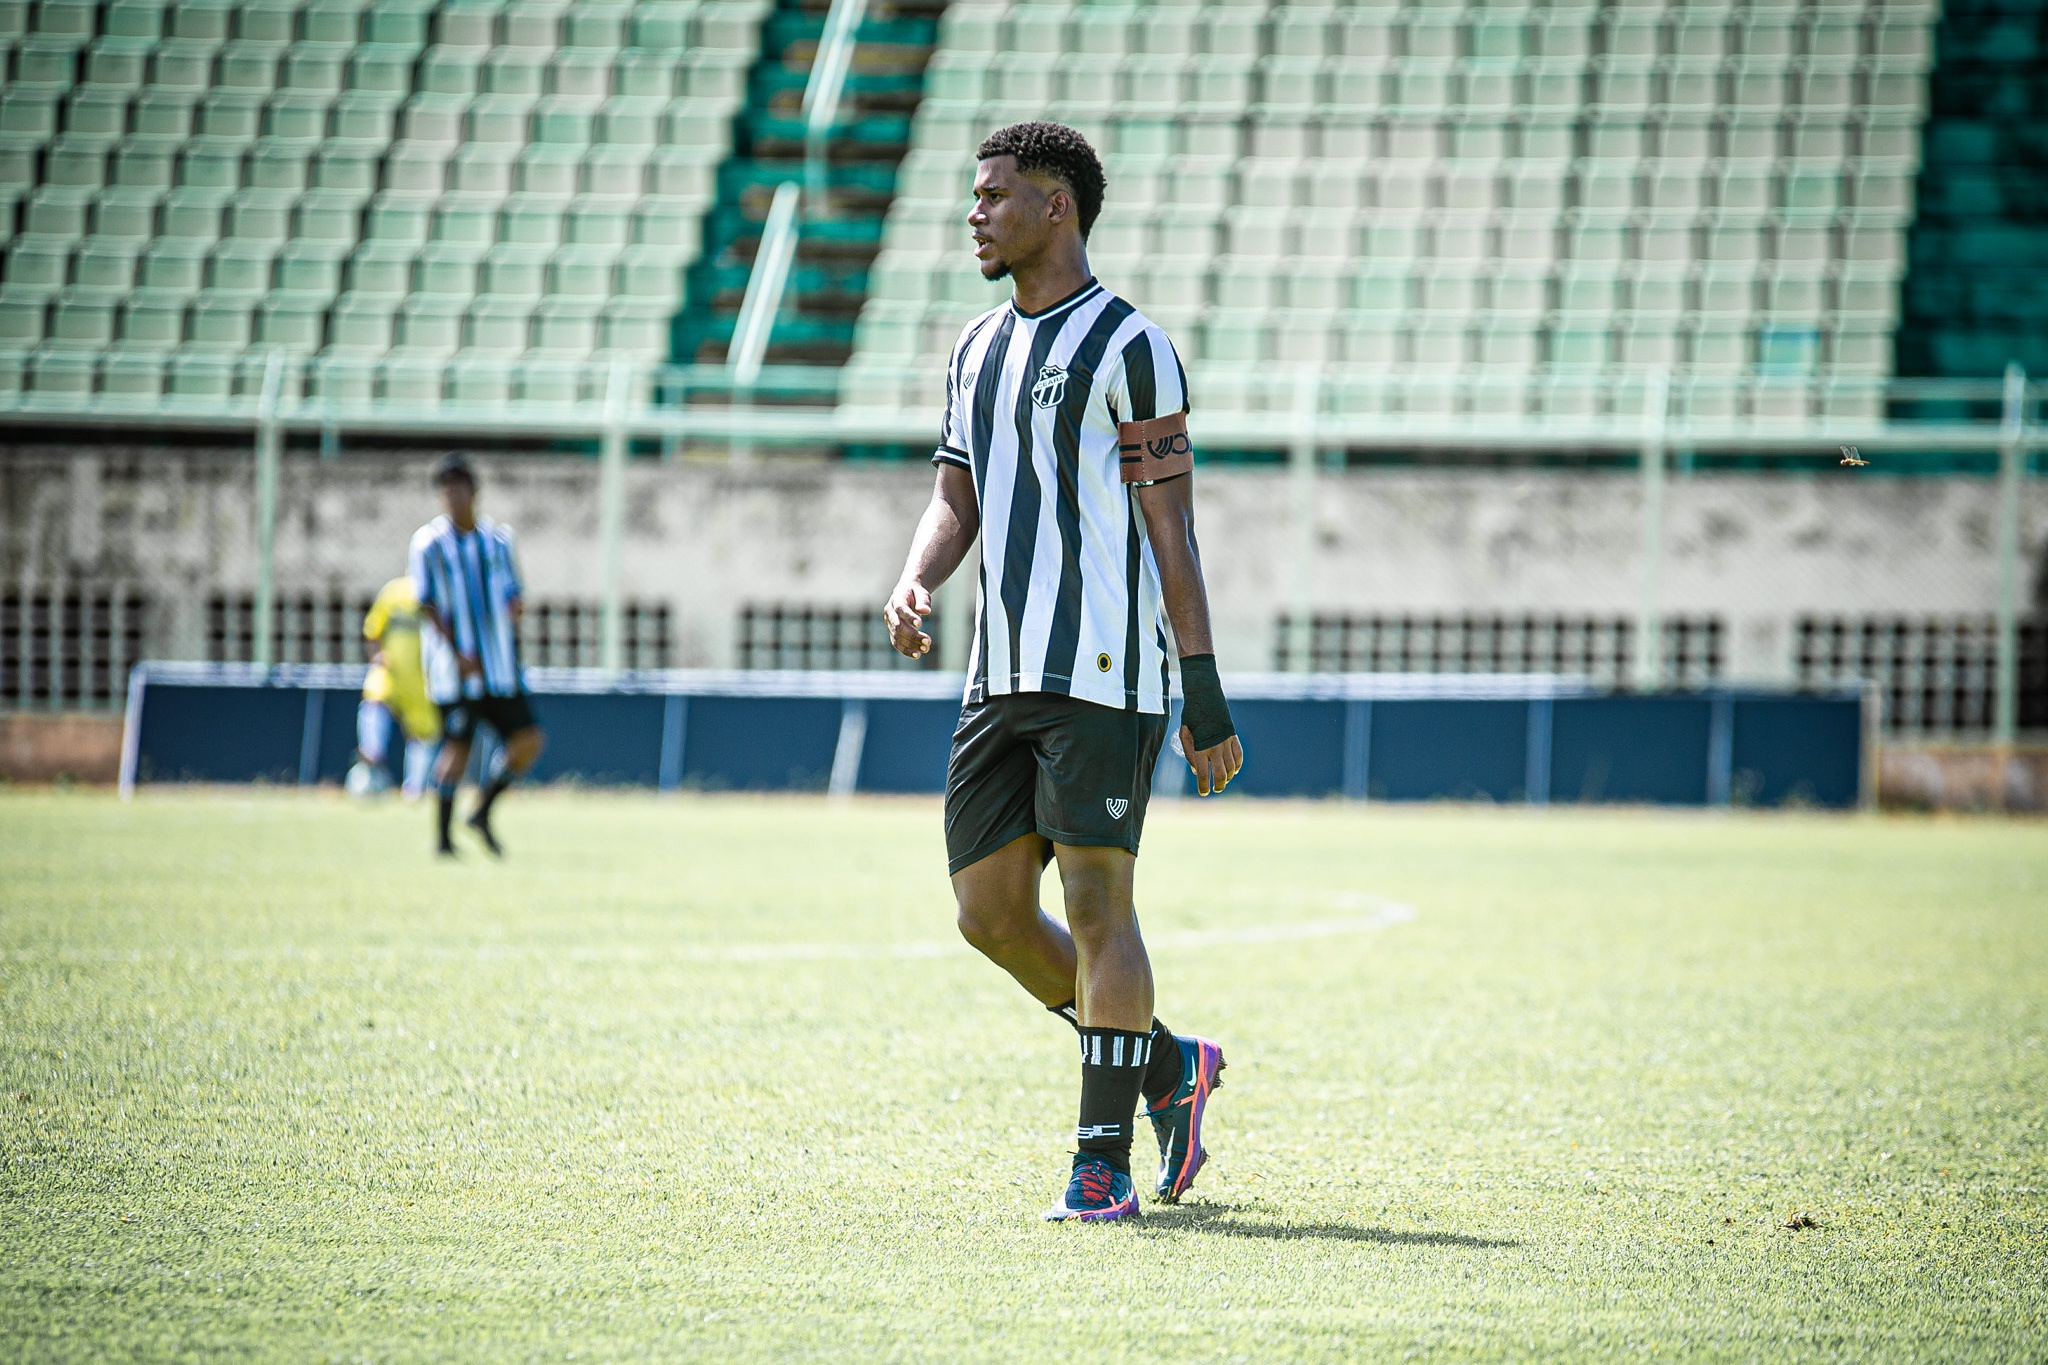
(470, 592)
(1065, 447)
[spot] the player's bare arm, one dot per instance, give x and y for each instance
(1169, 508)
(944, 535)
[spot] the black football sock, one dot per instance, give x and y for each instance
(1162, 1073)
(1066, 1012)
(1112, 1065)
(446, 811)
(492, 791)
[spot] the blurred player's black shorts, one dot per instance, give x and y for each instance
(1074, 771)
(507, 715)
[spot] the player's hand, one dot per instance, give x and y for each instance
(469, 665)
(904, 613)
(1213, 768)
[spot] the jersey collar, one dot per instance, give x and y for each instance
(1050, 309)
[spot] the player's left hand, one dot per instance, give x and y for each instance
(1214, 767)
(904, 613)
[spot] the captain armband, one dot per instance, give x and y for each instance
(1159, 449)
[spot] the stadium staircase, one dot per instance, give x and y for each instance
(476, 200)
(1976, 293)
(837, 240)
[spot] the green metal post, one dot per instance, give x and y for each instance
(611, 515)
(1649, 660)
(2012, 455)
(267, 452)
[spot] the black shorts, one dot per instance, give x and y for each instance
(1074, 771)
(507, 715)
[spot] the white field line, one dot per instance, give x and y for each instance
(1374, 914)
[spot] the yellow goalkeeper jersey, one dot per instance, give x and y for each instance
(399, 682)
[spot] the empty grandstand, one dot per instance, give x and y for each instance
(1506, 209)
(462, 200)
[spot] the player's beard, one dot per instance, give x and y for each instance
(998, 269)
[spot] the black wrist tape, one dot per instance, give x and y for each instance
(1205, 712)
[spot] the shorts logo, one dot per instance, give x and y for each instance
(1102, 662)
(1050, 387)
(1117, 806)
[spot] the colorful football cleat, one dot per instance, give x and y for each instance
(1177, 1119)
(1097, 1193)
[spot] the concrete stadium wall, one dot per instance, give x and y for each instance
(1757, 549)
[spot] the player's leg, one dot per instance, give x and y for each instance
(521, 744)
(459, 729)
(996, 856)
(998, 912)
(373, 744)
(419, 763)
(1095, 786)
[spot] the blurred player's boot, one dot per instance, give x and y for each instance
(444, 812)
(1097, 1193)
(1177, 1117)
(481, 823)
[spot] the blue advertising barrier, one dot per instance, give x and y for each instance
(1393, 737)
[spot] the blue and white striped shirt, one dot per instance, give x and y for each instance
(471, 580)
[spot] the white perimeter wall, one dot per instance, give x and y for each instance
(1759, 550)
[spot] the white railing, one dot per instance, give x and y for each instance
(1647, 417)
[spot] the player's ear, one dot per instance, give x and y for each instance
(1059, 206)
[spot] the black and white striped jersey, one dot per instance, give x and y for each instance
(1069, 596)
(469, 577)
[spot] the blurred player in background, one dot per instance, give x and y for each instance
(395, 694)
(1064, 446)
(470, 592)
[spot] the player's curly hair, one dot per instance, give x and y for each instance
(1056, 150)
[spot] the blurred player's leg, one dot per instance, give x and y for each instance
(459, 722)
(419, 765)
(367, 775)
(513, 720)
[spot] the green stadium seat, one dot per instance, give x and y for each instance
(380, 270)
(105, 265)
(219, 322)
(72, 162)
(340, 380)
(363, 117)
(131, 376)
(309, 270)
(515, 270)
(175, 266)
(362, 324)
(654, 273)
(296, 324)
(327, 216)
(567, 326)
(61, 371)
(82, 318)
(241, 269)
(24, 316)
(499, 325)
(263, 216)
(275, 165)
(199, 377)
(448, 270)
(480, 380)
(581, 272)
(332, 21)
(98, 112)
(635, 326)
(153, 320)
(550, 381)
(431, 324)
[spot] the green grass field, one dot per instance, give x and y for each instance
(712, 1078)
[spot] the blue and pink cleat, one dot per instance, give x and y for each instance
(1097, 1193)
(1177, 1119)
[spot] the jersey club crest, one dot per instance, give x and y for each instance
(1050, 387)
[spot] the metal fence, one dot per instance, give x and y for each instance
(1974, 677)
